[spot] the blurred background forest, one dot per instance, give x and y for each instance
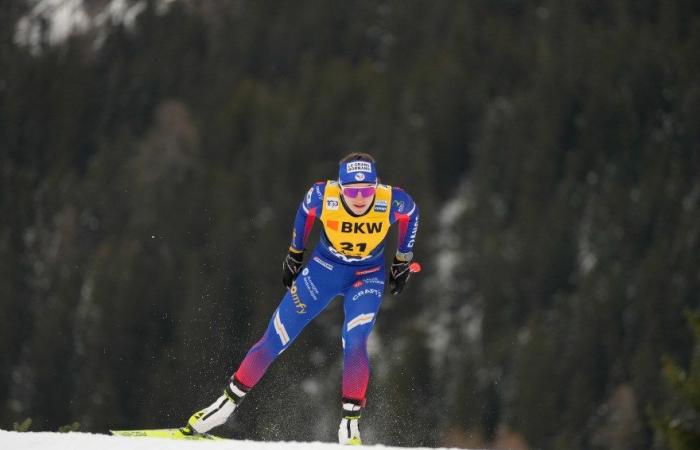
(153, 154)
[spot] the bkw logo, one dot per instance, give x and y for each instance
(361, 228)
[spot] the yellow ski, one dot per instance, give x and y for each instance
(166, 433)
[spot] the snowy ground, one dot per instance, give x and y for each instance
(85, 441)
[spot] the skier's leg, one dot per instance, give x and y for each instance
(361, 305)
(218, 412)
(309, 295)
(294, 313)
(317, 284)
(287, 322)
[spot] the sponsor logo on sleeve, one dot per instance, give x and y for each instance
(308, 196)
(305, 272)
(412, 237)
(358, 166)
(400, 205)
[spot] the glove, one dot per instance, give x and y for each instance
(290, 267)
(398, 275)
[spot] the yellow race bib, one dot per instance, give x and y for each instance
(350, 236)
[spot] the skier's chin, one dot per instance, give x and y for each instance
(359, 208)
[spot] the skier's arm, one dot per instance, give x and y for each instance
(304, 221)
(309, 208)
(404, 212)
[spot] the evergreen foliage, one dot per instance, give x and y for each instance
(149, 177)
(681, 427)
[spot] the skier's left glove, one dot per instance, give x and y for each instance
(290, 266)
(398, 275)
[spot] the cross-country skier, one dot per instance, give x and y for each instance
(356, 213)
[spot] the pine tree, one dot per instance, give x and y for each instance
(681, 427)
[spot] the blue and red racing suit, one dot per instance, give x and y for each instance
(347, 261)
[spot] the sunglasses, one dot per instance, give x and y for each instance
(351, 192)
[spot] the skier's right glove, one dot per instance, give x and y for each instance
(398, 275)
(291, 265)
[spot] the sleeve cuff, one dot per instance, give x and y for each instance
(404, 257)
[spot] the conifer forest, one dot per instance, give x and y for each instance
(153, 155)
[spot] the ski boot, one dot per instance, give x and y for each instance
(349, 431)
(218, 412)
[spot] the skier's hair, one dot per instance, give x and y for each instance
(358, 156)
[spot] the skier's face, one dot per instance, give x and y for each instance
(358, 196)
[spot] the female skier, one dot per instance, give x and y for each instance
(356, 213)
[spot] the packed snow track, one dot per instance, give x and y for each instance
(85, 441)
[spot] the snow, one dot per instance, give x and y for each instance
(448, 257)
(85, 441)
(586, 257)
(53, 21)
(445, 284)
(63, 17)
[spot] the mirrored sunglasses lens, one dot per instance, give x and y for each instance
(353, 192)
(367, 192)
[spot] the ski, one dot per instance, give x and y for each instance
(166, 433)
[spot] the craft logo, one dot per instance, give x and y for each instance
(332, 203)
(380, 206)
(298, 304)
(361, 227)
(358, 166)
(365, 292)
